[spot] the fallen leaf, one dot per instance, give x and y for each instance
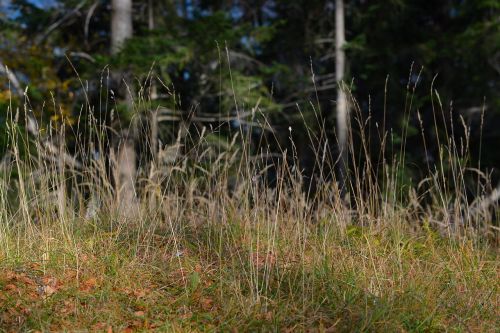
(139, 313)
(70, 274)
(186, 315)
(88, 284)
(69, 307)
(10, 286)
(10, 275)
(35, 266)
(26, 280)
(25, 311)
(33, 295)
(206, 303)
(135, 324)
(99, 326)
(49, 290)
(49, 281)
(139, 293)
(140, 307)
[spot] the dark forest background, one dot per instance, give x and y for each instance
(416, 70)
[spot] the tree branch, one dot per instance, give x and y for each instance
(56, 24)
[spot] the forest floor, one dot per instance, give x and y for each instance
(242, 276)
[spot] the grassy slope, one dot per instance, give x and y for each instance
(245, 271)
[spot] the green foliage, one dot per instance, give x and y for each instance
(209, 53)
(140, 53)
(250, 92)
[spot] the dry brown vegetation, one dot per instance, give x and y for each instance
(194, 256)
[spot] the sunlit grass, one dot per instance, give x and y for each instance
(239, 276)
(210, 245)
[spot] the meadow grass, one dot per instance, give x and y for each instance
(194, 256)
(241, 271)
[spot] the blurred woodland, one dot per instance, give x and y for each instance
(249, 165)
(418, 74)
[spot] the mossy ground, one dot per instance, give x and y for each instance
(242, 275)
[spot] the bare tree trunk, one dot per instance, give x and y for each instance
(342, 112)
(153, 123)
(151, 19)
(126, 168)
(121, 23)
(153, 92)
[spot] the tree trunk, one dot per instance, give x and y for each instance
(153, 122)
(121, 23)
(153, 91)
(151, 19)
(342, 112)
(126, 168)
